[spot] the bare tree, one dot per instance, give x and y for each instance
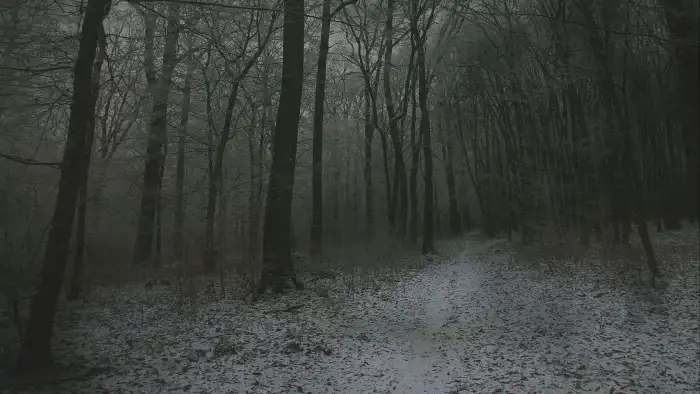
(684, 25)
(76, 279)
(211, 250)
(36, 346)
(277, 259)
(317, 179)
(159, 88)
(178, 241)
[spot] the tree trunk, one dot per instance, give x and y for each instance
(36, 346)
(255, 174)
(160, 91)
(178, 240)
(211, 249)
(455, 224)
(277, 259)
(76, 280)
(369, 188)
(428, 228)
(398, 205)
(648, 248)
(387, 179)
(158, 256)
(684, 25)
(317, 178)
(416, 143)
(254, 239)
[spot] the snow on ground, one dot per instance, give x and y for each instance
(473, 323)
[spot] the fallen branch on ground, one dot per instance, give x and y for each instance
(290, 309)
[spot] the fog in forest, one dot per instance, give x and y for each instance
(395, 196)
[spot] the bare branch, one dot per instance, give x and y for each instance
(31, 162)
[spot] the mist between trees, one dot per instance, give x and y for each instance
(185, 138)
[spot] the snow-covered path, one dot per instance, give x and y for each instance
(470, 324)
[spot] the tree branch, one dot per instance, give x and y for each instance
(30, 162)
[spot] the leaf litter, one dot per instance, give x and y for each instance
(469, 322)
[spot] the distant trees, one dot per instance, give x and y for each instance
(236, 73)
(572, 118)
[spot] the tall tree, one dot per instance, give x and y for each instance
(317, 176)
(159, 89)
(684, 25)
(364, 40)
(319, 101)
(179, 219)
(76, 280)
(420, 29)
(277, 257)
(398, 207)
(210, 247)
(257, 162)
(36, 346)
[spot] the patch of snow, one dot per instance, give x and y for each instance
(470, 324)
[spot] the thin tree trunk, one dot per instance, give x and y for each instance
(254, 240)
(255, 174)
(398, 206)
(648, 248)
(36, 346)
(455, 224)
(210, 247)
(160, 91)
(428, 214)
(416, 143)
(387, 179)
(277, 259)
(158, 256)
(369, 188)
(178, 240)
(317, 178)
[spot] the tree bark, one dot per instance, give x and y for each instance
(76, 280)
(455, 223)
(369, 187)
(416, 143)
(178, 240)
(398, 207)
(36, 347)
(160, 91)
(317, 178)
(277, 259)
(684, 25)
(255, 175)
(254, 238)
(428, 214)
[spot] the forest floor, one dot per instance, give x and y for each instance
(476, 319)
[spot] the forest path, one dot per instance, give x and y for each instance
(478, 322)
(414, 339)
